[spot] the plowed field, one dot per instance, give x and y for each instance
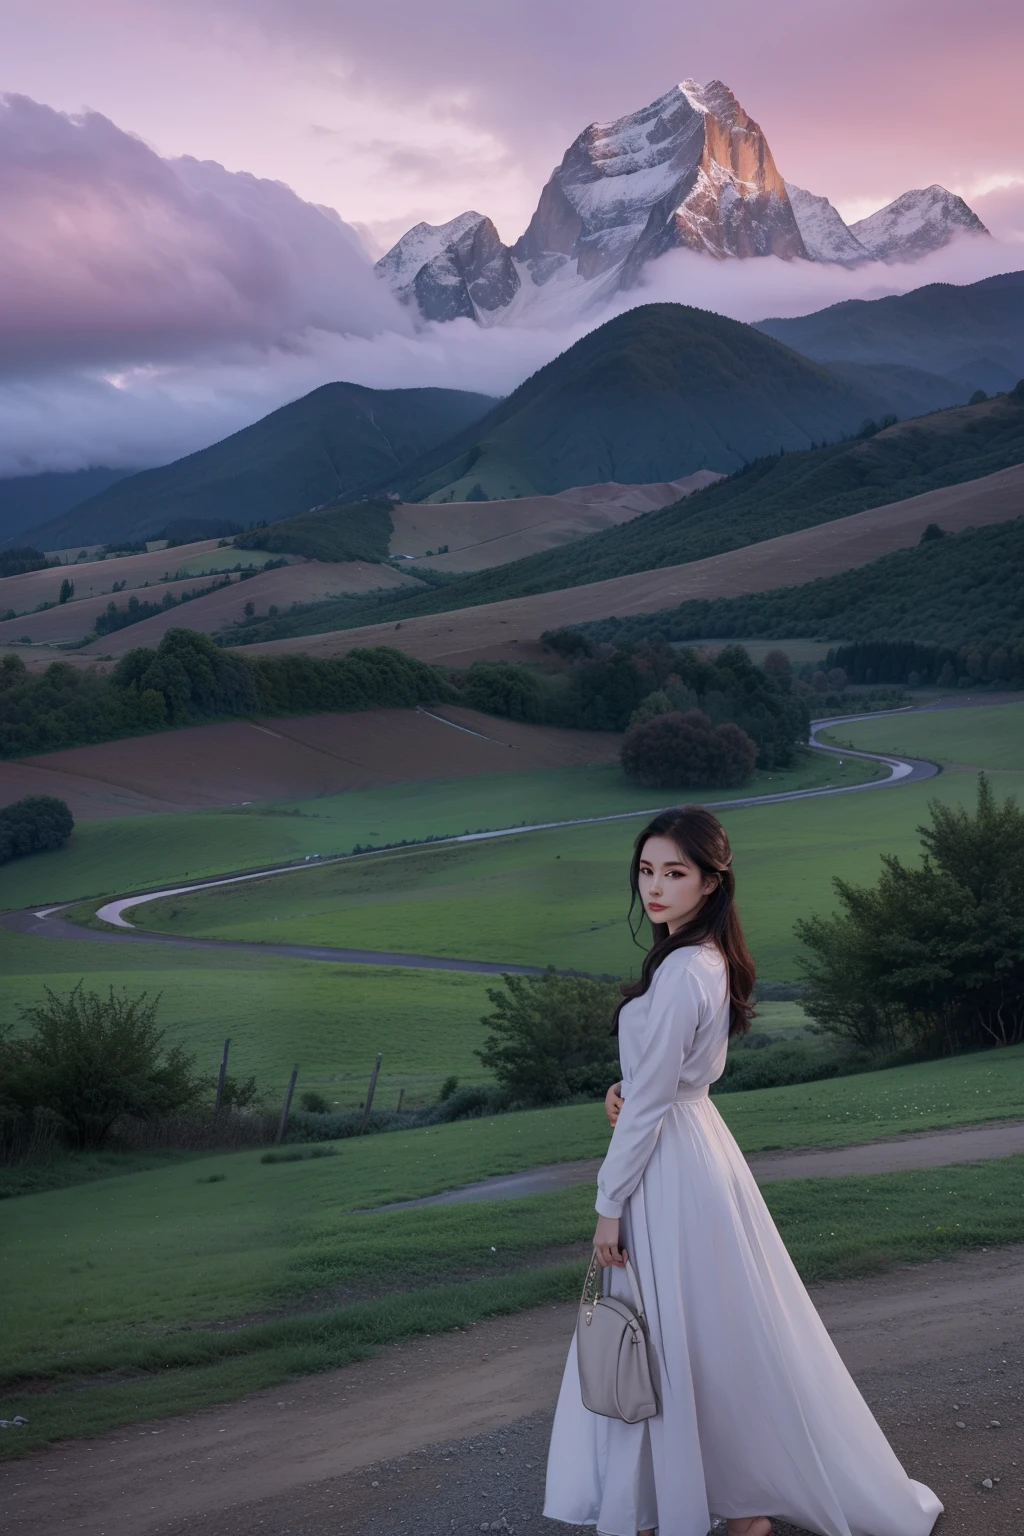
(238, 761)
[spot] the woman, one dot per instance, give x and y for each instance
(759, 1417)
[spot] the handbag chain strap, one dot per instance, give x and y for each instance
(591, 1280)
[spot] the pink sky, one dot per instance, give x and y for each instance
(395, 111)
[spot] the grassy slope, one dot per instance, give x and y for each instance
(954, 591)
(138, 853)
(305, 453)
(358, 530)
(135, 1273)
(560, 897)
(980, 738)
(776, 496)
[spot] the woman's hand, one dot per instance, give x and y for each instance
(613, 1102)
(606, 1242)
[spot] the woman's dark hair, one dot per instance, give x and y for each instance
(700, 838)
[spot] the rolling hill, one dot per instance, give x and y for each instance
(774, 496)
(656, 393)
(509, 630)
(973, 335)
(313, 450)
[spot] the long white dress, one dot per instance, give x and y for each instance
(759, 1415)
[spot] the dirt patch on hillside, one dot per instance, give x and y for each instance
(94, 577)
(480, 534)
(239, 761)
(308, 581)
(497, 630)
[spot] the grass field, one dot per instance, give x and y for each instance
(135, 853)
(990, 737)
(560, 897)
(151, 1274)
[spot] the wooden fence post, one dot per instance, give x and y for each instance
(220, 1080)
(370, 1092)
(401, 1096)
(287, 1106)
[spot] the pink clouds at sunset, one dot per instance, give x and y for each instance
(181, 255)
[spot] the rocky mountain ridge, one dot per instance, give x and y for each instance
(690, 171)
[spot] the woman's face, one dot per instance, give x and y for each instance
(671, 888)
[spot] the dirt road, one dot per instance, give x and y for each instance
(448, 1434)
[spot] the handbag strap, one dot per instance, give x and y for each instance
(634, 1284)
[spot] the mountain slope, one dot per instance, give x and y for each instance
(916, 224)
(774, 497)
(974, 334)
(30, 501)
(315, 449)
(659, 392)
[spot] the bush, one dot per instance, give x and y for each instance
(931, 959)
(32, 825)
(502, 688)
(545, 1028)
(91, 1060)
(314, 1103)
(777, 1064)
(686, 751)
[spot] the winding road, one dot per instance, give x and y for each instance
(48, 923)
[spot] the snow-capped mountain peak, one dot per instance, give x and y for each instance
(917, 223)
(825, 236)
(691, 170)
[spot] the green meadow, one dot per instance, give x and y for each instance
(984, 737)
(560, 897)
(207, 1279)
(111, 857)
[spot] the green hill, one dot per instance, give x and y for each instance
(654, 394)
(973, 335)
(313, 450)
(960, 590)
(772, 497)
(355, 530)
(28, 501)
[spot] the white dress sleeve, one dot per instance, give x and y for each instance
(677, 1003)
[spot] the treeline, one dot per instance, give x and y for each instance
(904, 661)
(608, 688)
(961, 592)
(15, 562)
(188, 679)
(33, 824)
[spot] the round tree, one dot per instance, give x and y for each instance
(686, 751)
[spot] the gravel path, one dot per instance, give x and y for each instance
(449, 1434)
(890, 1154)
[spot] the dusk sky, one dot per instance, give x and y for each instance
(120, 273)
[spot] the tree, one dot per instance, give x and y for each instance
(249, 609)
(777, 664)
(932, 532)
(92, 1059)
(686, 751)
(501, 688)
(929, 959)
(550, 1037)
(67, 590)
(33, 825)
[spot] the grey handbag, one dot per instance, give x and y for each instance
(611, 1352)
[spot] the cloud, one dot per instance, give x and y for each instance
(114, 256)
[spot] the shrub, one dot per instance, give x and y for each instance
(32, 825)
(545, 1028)
(929, 959)
(91, 1060)
(448, 1087)
(777, 1064)
(501, 688)
(686, 751)
(314, 1103)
